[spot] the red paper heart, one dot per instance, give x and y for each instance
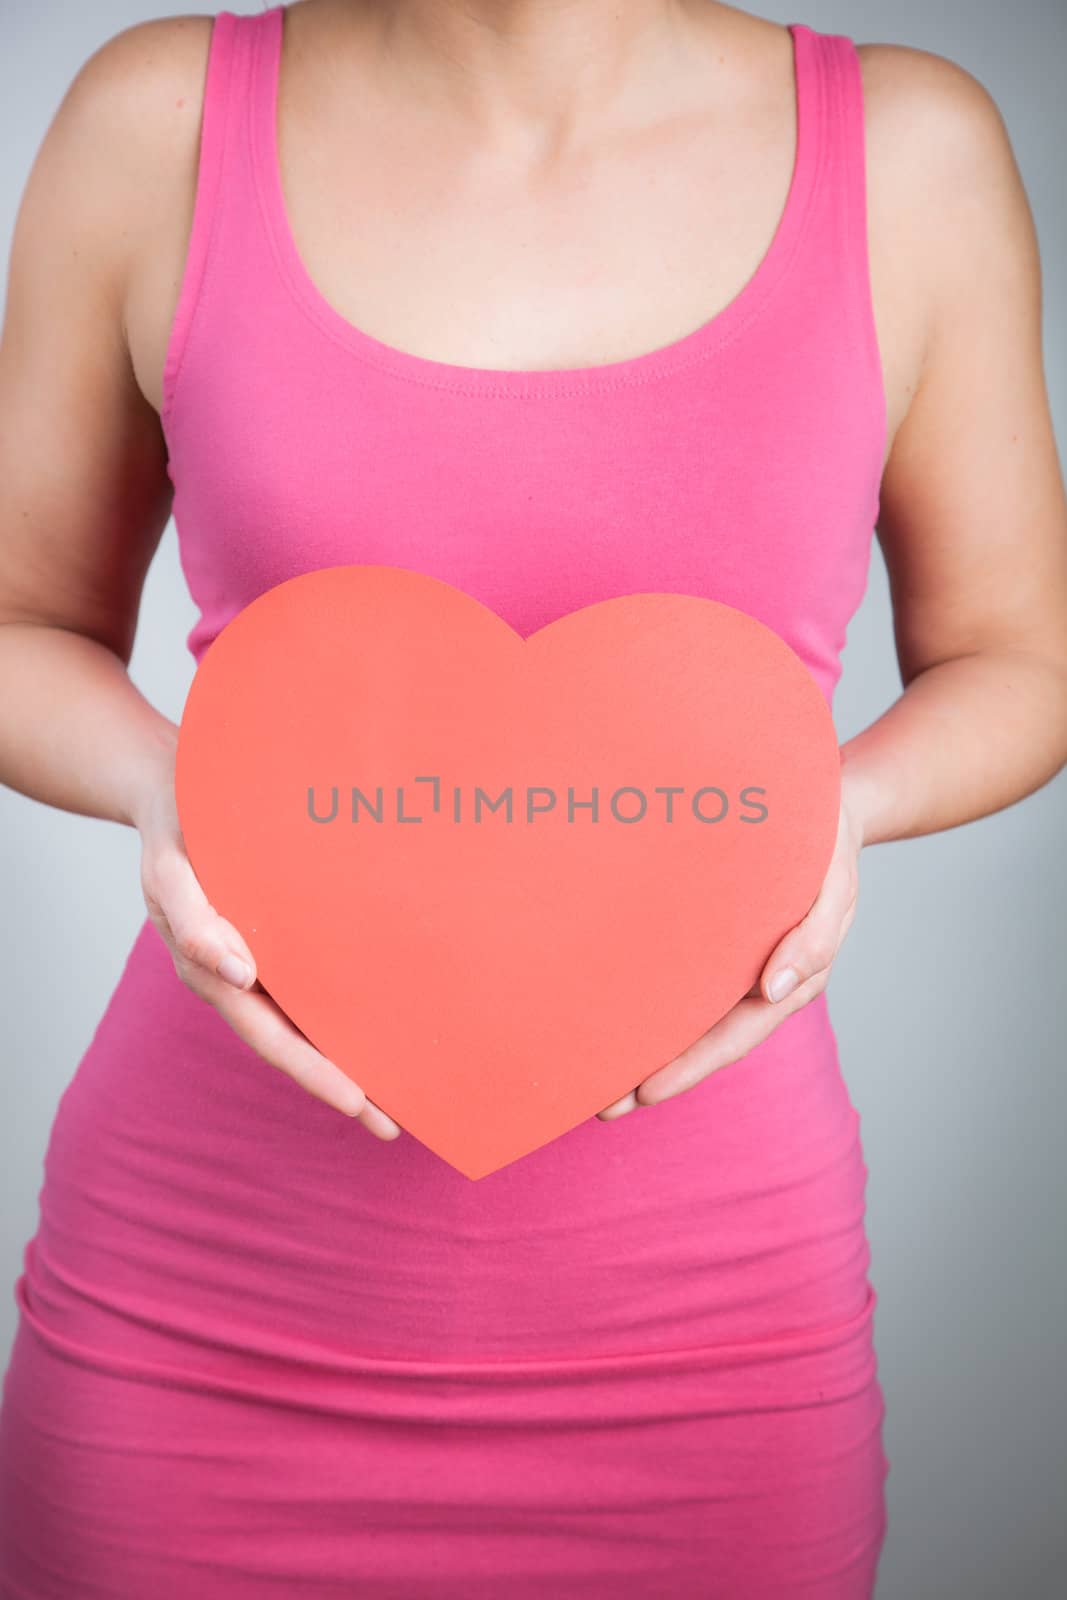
(491, 983)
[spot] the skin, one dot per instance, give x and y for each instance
(514, 145)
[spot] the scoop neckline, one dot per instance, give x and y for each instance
(697, 345)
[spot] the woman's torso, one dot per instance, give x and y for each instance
(195, 1197)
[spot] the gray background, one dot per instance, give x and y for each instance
(943, 997)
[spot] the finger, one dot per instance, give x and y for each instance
(375, 1120)
(744, 1026)
(730, 1038)
(204, 945)
(264, 1026)
(619, 1108)
(198, 934)
(809, 948)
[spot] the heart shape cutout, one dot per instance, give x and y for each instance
(493, 972)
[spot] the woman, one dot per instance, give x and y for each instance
(554, 304)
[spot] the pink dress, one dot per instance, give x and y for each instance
(262, 1353)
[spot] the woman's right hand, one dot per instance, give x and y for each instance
(212, 958)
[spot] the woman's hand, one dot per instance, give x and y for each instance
(808, 949)
(211, 957)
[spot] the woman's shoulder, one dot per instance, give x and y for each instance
(942, 184)
(109, 197)
(932, 126)
(121, 143)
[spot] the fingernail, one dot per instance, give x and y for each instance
(782, 983)
(233, 970)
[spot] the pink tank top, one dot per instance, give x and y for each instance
(741, 462)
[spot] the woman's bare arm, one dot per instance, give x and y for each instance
(973, 521)
(84, 495)
(84, 498)
(973, 525)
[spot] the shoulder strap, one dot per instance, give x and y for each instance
(227, 264)
(215, 119)
(845, 194)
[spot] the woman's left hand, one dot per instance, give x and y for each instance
(808, 949)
